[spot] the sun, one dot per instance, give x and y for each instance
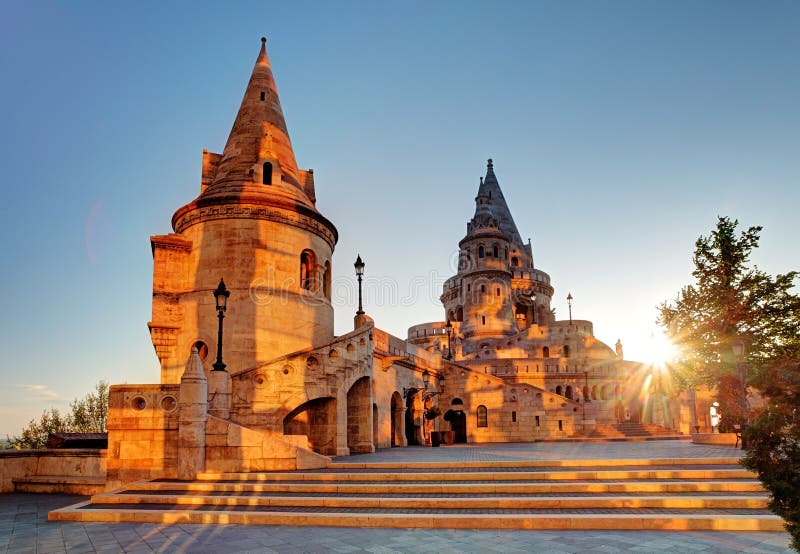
(661, 352)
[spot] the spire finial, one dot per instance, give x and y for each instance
(263, 40)
(489, 163)
(481, 178)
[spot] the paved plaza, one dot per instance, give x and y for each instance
(24, 527)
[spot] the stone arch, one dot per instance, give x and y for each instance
(359, 417)
(568, 392)
(459, 313)
(398, 431)
(316, 419)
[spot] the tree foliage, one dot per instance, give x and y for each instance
(87, 415)
(731, 301)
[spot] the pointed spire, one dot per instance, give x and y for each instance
(490, 189)
(259, 132)
(194, 366)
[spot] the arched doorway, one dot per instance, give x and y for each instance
(411, 427)
(315, 419)
(396, 406)
(458, 424)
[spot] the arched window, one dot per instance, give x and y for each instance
(266, 176)
(558, 390)
(460, 313)
(326, 280)
(566, 351)
(546, 352)
(483, 320)
(585, 393)
(308, 264)
(483, 288)
(594, 392)
(514, 262)
(498, 291)
(568, 392)
(483, 417)
(495, 251)
(202, 349)
(457, 402)
(481, 251)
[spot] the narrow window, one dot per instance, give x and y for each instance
(513, 417)
(515, 261)
(308, 265)
(326, 281)
(468, 287)
(568, 392)
(483, 320)
(546, 352)
(263, 95)
(495, 252)
(558, 390)
(560, 425)
(483, 418)
(483, 288)
(566, 351)
(538, 423)
(266, 177)
(498, 292)
(481, 251)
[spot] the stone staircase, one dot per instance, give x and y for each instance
(632, 431)
(681, 494)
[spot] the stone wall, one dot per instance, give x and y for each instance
(73, 471)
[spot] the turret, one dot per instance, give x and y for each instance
(256, 225)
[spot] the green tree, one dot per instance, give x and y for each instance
(730, 301)
(87, 415)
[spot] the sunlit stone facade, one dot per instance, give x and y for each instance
(292, 393)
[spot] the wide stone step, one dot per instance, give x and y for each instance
(519, 464)
(469, 487)
(445, 502)
(636, 519)
(541, 475)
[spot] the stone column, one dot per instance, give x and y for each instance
(192, 419)
(219, 394)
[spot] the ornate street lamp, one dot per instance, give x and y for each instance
(449, 328)
(221, 295)
(569, 303)
(359, 265)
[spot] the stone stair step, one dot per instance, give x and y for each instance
(603, 462)
(445, 502)
(652, 519)
(736, 473)
(594, 486)
(59, 484)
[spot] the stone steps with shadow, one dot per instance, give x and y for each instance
(569, 494)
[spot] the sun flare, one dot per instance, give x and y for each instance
(661, 352)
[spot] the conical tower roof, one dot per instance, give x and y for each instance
(490, 189)
(259, 133)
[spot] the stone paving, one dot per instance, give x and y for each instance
(24, 529)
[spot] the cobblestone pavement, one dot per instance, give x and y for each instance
(546, 451)
(24, 529)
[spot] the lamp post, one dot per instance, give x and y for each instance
(449, 327)
(359, 265)
(738, 352)
(569, 303)
(221, 295)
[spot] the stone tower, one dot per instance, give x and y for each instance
(496, 292)
(256, 225)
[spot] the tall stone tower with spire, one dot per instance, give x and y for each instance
(496, 292)
(255, 224)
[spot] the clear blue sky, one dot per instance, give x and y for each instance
(619, 131)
